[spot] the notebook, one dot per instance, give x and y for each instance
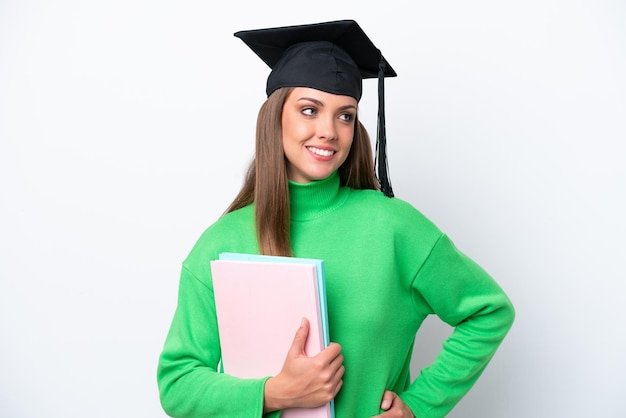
(260, 302)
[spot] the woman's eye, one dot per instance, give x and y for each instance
(346, 117)
(309, 111)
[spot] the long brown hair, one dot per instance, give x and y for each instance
(267, 185)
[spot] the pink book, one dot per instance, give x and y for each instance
(259, 306)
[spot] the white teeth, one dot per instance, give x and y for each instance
(322, 152)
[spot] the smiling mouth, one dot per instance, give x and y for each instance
(321, 152)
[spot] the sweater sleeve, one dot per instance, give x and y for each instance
(187, 376)
(463, 295)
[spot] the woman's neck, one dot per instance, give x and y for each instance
(311, 200)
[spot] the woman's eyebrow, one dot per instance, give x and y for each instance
(310, 99)
(320, 103)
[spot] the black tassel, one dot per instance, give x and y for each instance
(380, 161)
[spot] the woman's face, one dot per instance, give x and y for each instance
(318, 129)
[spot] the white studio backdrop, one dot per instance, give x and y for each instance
(126, 127)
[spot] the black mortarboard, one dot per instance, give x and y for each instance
(333, 57)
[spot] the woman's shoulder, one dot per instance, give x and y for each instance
(229, 231)
(376, 200)
(232, 223)
(392, 214)
(234, 219)
(376, 205)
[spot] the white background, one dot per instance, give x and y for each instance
(126, 126)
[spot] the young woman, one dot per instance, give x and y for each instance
(311, 192)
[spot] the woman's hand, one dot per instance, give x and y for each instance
(394, 406)
(305, 382)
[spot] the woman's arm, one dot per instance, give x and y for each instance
(462, 294)
(191, 386)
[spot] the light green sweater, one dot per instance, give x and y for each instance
(387, 267)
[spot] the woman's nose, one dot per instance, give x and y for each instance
(326, 129)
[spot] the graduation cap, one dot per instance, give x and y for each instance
(333, 57)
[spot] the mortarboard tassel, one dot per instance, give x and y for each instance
(380, 162)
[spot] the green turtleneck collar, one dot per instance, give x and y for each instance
(314, 199)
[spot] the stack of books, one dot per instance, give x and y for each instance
(260, 302)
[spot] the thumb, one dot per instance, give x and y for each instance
(387, 401)
(297, 347)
